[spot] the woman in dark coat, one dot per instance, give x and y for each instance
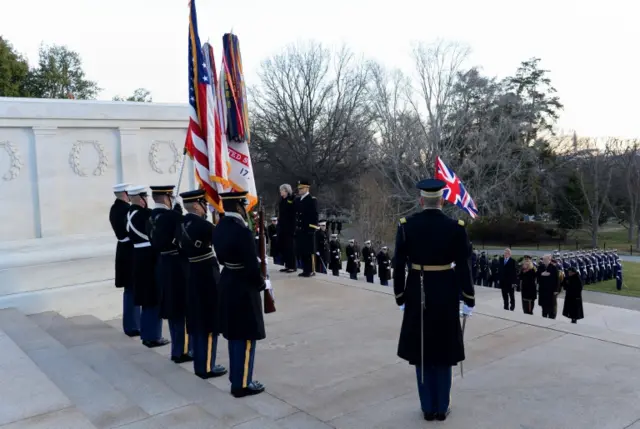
(572, 284)
(528, 286)
(286, 228)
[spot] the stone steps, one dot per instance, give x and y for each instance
(81, 372)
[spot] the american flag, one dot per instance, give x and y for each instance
(202, 131)
(455, 191)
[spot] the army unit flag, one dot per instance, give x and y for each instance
(218, 134)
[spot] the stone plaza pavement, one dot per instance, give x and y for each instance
(329, 361)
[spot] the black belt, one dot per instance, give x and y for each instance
(432, 267)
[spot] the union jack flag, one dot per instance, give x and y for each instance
(455, 191)
(203, 142)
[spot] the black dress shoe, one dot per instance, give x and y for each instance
(182, 359)
(283, 270)
(304, 275)
(429, 416)
(133, 333)
(443, 416)
(290, 270)
(217, 371)
(254, 388)
(156, 343)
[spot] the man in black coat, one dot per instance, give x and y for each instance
(287, 228)
(483, 265)
(369, 259)
(306, 207)
(437, 250)
(494, 279)
(384, 266)
(146, 291)
(165, 222)
(336, 255)
(353, 259)
(124, 256)
(202, 291)
(272, 238)
(241, 283)
(549, 285)
(322, 248)
(508, 278)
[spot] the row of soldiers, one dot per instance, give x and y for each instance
(591, 266)
(328, 254)
(169, 265)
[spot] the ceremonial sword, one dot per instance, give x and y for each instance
(464, 324)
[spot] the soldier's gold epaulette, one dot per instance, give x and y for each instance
(460, 222)
(403, 220)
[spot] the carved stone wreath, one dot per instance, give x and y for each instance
(153, 156)
(15, 163)
(74, 158)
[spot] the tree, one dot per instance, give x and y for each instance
(591, 162)
(140, 95)
(13, 71)
(626, 191)
(310, 117)
(541, 106)
(60, 75)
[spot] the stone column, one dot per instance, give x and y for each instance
(129, 163)
(50, 191)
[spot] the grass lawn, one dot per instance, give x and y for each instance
(609, 237)
(630, 282)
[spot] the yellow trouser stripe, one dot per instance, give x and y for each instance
(247, 358)
(209, 349)
(186, 340)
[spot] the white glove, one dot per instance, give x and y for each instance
(268, 283)
(372, 264)
(466, 310)
(401, 307)
(318, 253)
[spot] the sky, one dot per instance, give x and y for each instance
(590, 47)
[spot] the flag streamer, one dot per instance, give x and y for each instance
(455, 192)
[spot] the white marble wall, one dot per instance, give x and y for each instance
(59, 159)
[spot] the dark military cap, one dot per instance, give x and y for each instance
(193, 196)
(162, 190)
(431, 187)
(302, 183)
(234, 195)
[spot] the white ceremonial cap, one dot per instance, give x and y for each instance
(367, 242)
(120, 187)
(334, 235)
(136, 190)
(323, 223)
(274, 218)
(352, 241)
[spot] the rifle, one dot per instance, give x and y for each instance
(269, 300)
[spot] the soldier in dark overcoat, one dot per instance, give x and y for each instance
(384, 266)
(164, 224)
(241, 282)
(353, 259)
(203, 275)
(322, 248)
(287, 229)
(438, 252)
(306, 207)
(272, 238)
(369, 259)
(124, 260)
(335, 255)
(146, 291)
